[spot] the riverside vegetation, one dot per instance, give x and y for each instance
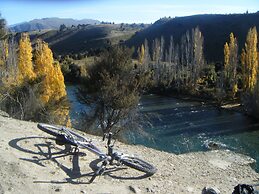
(181, 68)
(32, 84)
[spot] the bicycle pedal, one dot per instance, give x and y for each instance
(82, 154)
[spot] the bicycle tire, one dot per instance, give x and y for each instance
(58, 132)
(50, 129)
(139, 165)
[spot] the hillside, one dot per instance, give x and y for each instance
(49, 23)
(31, 162)
(215, 29)
(87, 38)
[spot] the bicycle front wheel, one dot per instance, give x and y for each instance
(139, 164)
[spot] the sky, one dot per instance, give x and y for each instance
(119, 11)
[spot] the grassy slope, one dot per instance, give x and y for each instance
(86, 38)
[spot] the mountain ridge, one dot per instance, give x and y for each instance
(215, 28)
(52, 23)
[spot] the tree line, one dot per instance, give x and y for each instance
(181, 67)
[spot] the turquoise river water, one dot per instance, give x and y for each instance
(181, 126)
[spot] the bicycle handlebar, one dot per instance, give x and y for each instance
(109, 136)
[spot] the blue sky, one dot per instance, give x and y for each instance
(128, 11)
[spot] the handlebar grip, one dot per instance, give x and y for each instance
(109, 138)
(104, 136)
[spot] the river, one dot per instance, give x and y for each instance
(181, 126)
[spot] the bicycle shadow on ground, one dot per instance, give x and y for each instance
(74, 173)
(47, 151)
(39, 147)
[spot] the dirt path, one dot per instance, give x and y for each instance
(31, 162)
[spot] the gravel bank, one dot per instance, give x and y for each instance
(31, 162)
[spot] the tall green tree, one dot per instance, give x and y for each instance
(112, 90)
(198, 60)
(230, 65)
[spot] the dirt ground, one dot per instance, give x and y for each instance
(31, 162)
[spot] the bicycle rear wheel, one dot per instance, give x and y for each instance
(50, 129)
(139, 164)
(59, 131)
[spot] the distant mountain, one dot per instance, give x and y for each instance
(49, 23)
(215, 29)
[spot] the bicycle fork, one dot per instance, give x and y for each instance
(99, 171)
(106, 161)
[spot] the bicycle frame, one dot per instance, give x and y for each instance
(92, 148)
(87, 145)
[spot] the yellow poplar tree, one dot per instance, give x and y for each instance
(141, 54)
(57, 82)
(58, 85)
(249, 59)
(43, 59)
(244, 69)
(225, 73)
(25, 66)
(53, 88)
(226, 58)
(43, 65)
(233, 48)
(53, 81)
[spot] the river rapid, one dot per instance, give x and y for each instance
(180, 126)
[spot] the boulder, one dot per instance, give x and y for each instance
(209, 190)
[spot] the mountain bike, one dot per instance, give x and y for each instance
(65, 135)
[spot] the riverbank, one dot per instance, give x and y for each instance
(230, 105)
(31, 162)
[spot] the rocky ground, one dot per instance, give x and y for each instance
(31, 162)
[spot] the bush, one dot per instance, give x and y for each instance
(112, 91)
